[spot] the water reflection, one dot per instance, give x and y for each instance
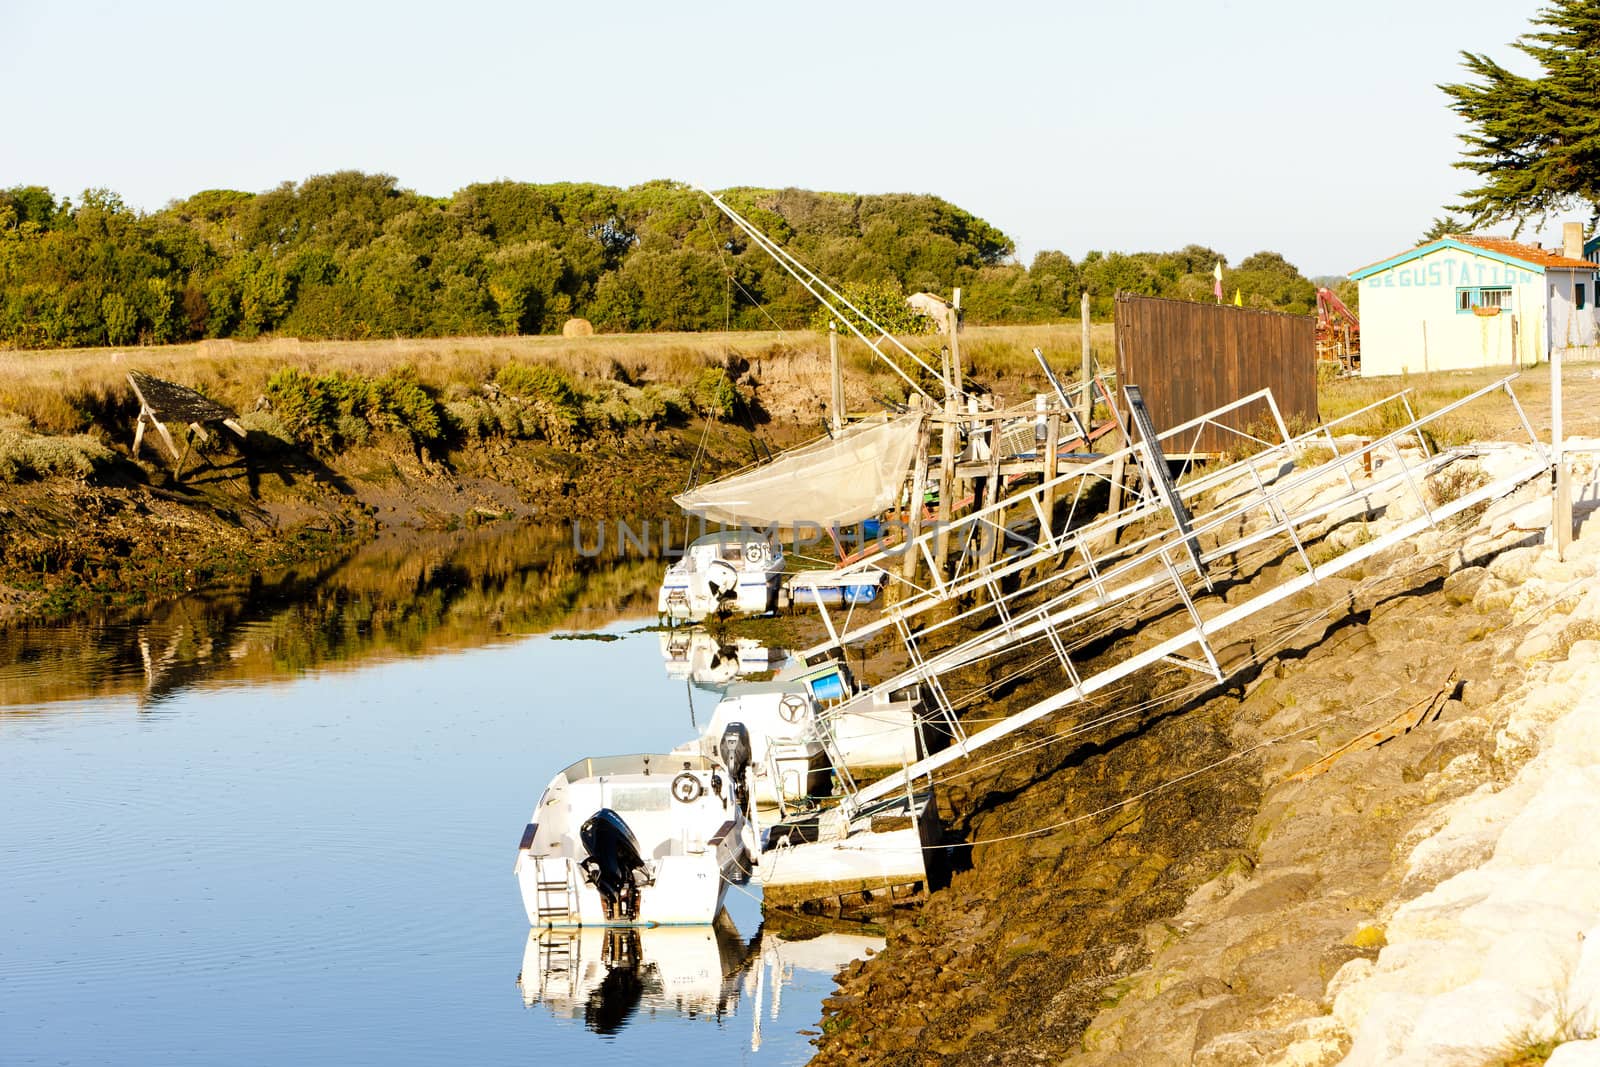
(697, 656)
(607, 977)
(404, 595)
(603, 974)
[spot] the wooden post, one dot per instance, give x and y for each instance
(1119, 473)
(947, 479)
(919, 489)
(991, 488)
(1086, 401)
(838, 377)
(954, 314)
(1561, 518)
(1052, 446)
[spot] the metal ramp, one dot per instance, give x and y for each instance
(1099, 553)
(1016, 534)
(1275, 516)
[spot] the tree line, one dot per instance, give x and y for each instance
(353, 255)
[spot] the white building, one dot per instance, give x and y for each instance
(1468, 301)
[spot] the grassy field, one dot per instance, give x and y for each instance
(59, 391)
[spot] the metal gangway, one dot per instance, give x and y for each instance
(1184, 551)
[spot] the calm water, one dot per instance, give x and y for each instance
(220, 854)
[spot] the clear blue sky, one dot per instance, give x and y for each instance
(1311, 129)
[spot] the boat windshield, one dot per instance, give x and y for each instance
(664, 763)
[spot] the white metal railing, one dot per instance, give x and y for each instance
(1159, 574)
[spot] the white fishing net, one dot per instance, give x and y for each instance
(857, 474)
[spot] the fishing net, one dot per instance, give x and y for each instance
(856, 474)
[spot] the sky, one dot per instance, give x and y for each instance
(1313, 130)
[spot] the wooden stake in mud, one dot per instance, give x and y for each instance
(1052, 461)
(991, 487)
(919, 489)
(947, 479)
(838, 377)
(954, 318)
(1086, 400)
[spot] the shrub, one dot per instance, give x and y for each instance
(269, 425)
(340, 409)
(537, 383)
(25, 455)
(468, 418)
(714, 394)
(609, 410)
(552, 408)
(674, 403)
(1454, 482)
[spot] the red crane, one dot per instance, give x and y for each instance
(1338, 331)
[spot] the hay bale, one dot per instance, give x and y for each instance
(577, 328)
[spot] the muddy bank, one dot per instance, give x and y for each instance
(133, 534)
(1167, 890)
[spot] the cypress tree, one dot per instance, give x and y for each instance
(1535, 141)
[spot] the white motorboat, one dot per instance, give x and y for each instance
(876, 858)
(729, 571)
(639, 840)
(801, 722)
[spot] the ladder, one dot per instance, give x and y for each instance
(555, 895)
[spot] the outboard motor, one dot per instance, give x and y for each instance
(614, 865)
(734, 749)
(722, 581)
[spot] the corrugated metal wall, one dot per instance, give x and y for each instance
(1193, 358)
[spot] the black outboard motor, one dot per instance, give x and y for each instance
(613, 865)
(734, 748)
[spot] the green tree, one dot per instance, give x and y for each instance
(1446, 226)
(1535, 141)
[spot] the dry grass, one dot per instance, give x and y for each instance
(1428, 393)
(63, 390)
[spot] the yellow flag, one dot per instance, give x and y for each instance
(1237, 301)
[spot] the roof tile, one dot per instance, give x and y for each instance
(1525, 252)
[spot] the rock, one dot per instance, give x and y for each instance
(1477, 692)
(1536, 646)
(1460, 586)
(1275, 895)
(1367, 936)
(1493, 596)
(1576, 1054)
(1516, 565)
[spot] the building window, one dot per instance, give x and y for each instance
(1468, 299)
(1581, 295)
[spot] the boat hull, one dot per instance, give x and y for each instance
(876, 864)
(684, 891)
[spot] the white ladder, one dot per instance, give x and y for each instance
(555, 898)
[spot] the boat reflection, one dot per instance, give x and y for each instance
(609, 977)
(699, 657)
(604, 974)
